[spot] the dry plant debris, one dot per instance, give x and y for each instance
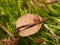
(28, 20)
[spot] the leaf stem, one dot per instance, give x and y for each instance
(6, 30)
(53, 34)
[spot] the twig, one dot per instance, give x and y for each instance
(53, 2)
(6, 30)
(53, 34)
(29, 25)
(14, 39)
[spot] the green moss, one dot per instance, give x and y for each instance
(11, 10)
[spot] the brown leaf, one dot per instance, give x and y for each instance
(40, 40)
(27, 19)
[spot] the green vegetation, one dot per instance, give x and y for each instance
(11, 10)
